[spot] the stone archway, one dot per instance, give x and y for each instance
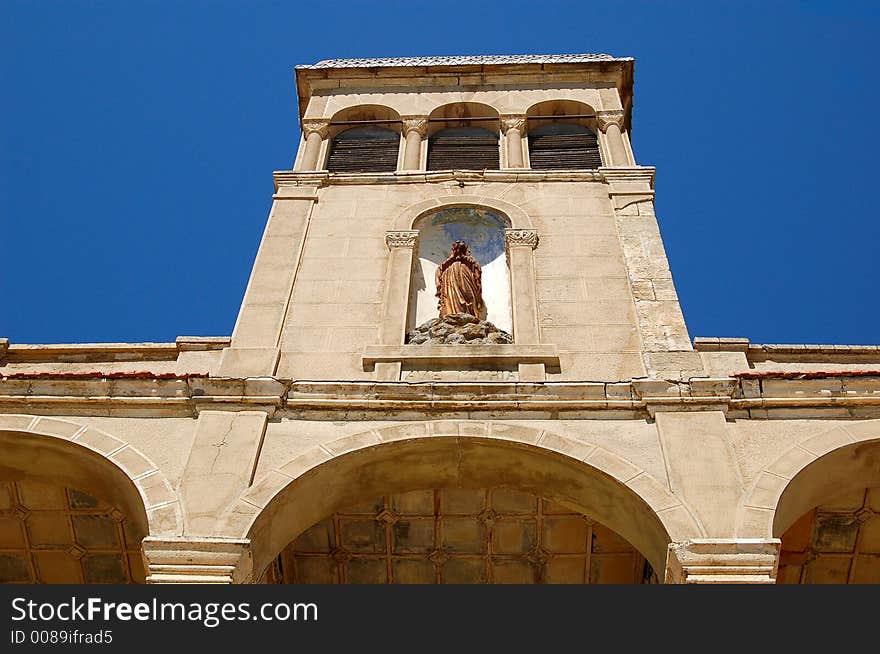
(762, 513)
(76, 503)
(469, 455)
(822, 499)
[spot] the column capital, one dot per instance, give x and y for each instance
(513, 121)
(723, 561)
(611, 117)
(521, 238)
(401, 239)
(320, 126)
(417, 124)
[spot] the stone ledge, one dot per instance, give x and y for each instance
(457, 356)
(196, 561)
(86, 352)
(139, 394)
(792, 352)
(292, 179)
(723, 561)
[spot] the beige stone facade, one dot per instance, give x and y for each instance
(316, 445)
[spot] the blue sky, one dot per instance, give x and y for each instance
(138, 141)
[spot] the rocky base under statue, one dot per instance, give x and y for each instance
(458, 328)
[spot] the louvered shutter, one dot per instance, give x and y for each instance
(563, 146)
(469, 148)
(364, 149)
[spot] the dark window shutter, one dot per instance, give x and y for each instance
(470, 148)
(559, 145)
(364, 149)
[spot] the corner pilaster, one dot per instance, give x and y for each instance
(254, 350)
(666, 344)
(401, 245)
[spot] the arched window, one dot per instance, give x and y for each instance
(563, 145)
(463, 135)
(463, 147)
(364, 149)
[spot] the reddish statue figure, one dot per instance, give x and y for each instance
(459, 284)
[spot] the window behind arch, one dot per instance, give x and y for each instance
(472, 148)
(563, 145)
(364, 149)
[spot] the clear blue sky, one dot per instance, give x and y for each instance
(138, 141)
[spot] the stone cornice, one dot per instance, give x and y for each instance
(85, 352)
(289, 178)
(866, 352)
(123, 394)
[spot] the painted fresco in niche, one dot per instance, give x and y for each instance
(483, 232)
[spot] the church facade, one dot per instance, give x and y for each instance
(393, 407)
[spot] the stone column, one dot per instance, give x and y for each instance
(611, 125)
(316, 131)
(414, 130)
(514, 127)
(723, 561)
(401, 245)
(197, 561)
(519, 244)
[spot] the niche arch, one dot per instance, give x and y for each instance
(526, 356)
(483, 230)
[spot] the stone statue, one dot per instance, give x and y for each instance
(459, 284)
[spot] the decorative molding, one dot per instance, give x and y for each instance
(148, 394)
(445, 356)
(321, 126)
(401, 239)
(607, 118)
(323, 178)
(197, 561)
(517, 122)
(415, 124)
(521, 238)
(723, 561)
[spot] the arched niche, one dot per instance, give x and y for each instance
(483, 230)
(70, 515)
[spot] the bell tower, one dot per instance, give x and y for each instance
(528, 160)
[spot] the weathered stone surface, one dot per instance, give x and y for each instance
(458, 328)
